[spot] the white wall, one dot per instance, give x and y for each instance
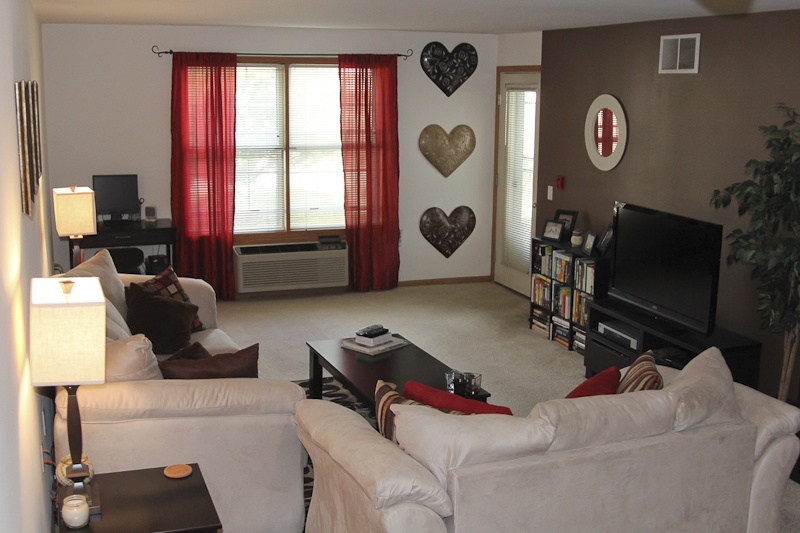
(109, 101)
(24, 492)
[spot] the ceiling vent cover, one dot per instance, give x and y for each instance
(680, 54)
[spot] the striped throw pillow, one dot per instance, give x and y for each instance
(386, 395)
(641, 375)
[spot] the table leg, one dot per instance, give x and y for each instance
(315, 374)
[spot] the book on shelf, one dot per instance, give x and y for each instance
(560, 321)
(393, 344)
(542, 254)
(562, 266)
(540, 291)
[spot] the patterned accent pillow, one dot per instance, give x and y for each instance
(386, 395)
(166, 284)
(641, 375)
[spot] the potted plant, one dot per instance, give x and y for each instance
(771, 242)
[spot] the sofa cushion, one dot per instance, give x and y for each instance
(167, 284)
(596, 420)
(131, 359)
(186, 364)
(165, 321)
(605, 382)
(116, 327)
(441, 441)
(419, 392)
(705, 392)
(641, 375)
(100, 265)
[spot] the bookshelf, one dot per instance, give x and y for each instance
(564, 281)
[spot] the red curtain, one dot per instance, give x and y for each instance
(203, 162)
(368, 89)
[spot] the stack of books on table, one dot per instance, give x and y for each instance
(373, 340)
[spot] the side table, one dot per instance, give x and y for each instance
(139, 501)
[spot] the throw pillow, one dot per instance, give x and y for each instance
(443, 400)
(131, 359)
(192, 352)
(241, 364)
(116, 327)
(100, 265)
(166, 321)
(605, 382)
(167, 284)
(641, 375)
(386, 395)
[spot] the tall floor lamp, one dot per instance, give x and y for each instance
(68, 347)
(75, 215)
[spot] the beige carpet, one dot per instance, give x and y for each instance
(478, 327)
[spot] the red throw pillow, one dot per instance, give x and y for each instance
(444, 400)
(606, 382)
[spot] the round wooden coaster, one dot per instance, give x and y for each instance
(177, 471)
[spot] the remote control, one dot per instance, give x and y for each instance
(370, 330)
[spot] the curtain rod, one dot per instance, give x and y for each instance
(160, 53)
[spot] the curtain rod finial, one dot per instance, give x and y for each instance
(158, 52)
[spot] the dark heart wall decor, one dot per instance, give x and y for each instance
(447, 233)
(449, 70)
(446, 151)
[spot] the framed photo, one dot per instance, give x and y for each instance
(570, 218)
(553, 230)
(588, 243)
(605, 240)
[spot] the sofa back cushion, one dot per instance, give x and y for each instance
(596, 420)
(705, 393)
(442, 441)
(100, 265)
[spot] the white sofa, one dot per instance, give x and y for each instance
(239, 430)
(701, 455)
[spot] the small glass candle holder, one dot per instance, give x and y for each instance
(473, 384)
(75, 511)
(455, 382)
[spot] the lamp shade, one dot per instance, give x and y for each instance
(74, 211)
(67, 332)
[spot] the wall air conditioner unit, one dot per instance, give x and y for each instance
(280, 267)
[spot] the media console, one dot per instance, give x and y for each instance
(137, 233)
(672, 345)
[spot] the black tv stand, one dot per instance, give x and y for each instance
(672, 345)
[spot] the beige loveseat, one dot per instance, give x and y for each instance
(701, 455)
(239, 430)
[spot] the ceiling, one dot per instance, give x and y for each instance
(458, 16)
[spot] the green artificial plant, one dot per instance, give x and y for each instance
(771, 242)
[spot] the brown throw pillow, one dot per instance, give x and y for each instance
(241, 364)
(167, 322)
(167, 284)
(193, 351)
(641, 375)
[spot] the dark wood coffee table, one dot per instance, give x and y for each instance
(360, 372)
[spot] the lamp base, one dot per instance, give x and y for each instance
(90, 490)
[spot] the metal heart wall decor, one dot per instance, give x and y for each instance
(447, 233)
(446, 151)
(449, 70)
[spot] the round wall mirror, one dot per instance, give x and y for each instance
(605, 132)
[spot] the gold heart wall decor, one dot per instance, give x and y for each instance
(446, 151)
(447, 233)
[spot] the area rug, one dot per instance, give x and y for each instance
(333, 391)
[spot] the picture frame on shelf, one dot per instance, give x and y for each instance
(588, 243)
(570, 218)
(553, 230)
(605, 241)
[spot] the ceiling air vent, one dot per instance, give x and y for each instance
(680, 54)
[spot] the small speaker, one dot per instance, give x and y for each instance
(150, 213)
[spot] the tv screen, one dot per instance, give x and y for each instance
(666, 265)
(117, 195)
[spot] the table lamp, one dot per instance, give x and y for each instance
(68, 347)
(75, 215)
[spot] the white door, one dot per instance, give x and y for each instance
(516, 178)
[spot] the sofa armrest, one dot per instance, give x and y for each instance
(773, 418)
(200, 293)
(179, 398)
(382, 471)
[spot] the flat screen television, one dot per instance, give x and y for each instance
(116, 196)
(666, 265)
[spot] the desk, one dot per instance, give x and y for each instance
(139, 233)
(146, 500)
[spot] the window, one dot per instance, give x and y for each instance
(289, 175)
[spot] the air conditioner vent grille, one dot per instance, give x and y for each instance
(286, 267)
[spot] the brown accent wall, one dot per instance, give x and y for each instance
(688, 134)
